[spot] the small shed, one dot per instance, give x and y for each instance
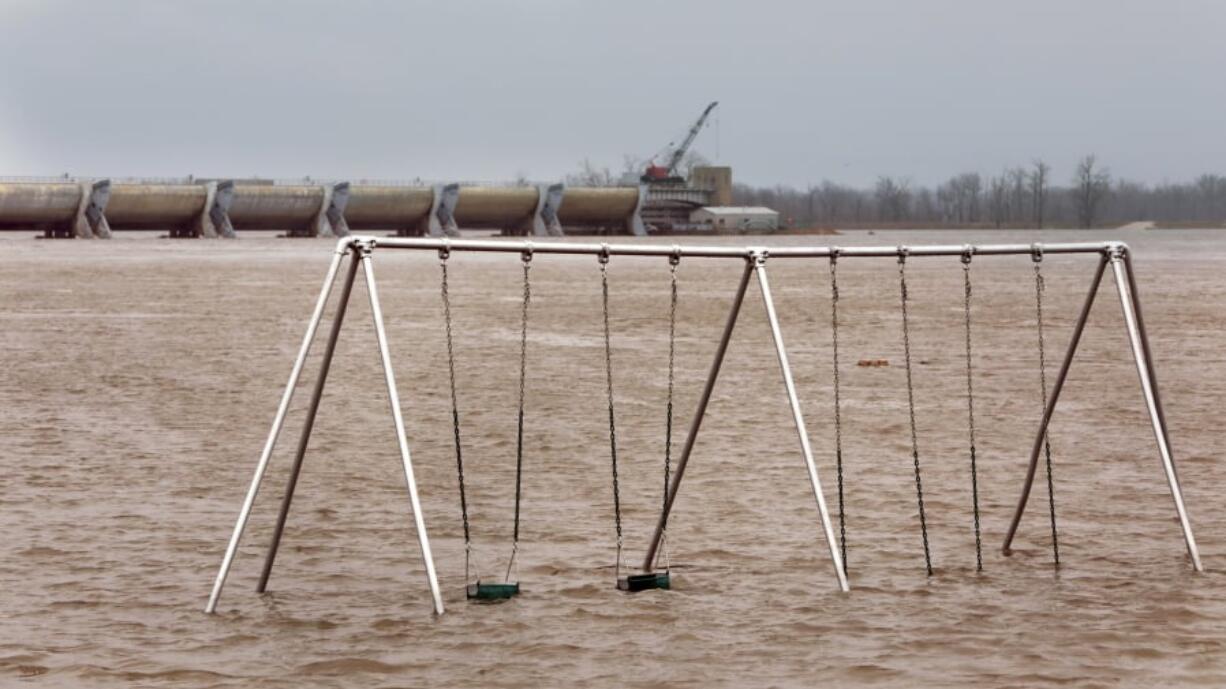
(737, 218)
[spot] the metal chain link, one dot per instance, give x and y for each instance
(519, 430)
(970, 405)
(906, 340)
(673, 262)
(838, 402)
(443, 255)
(1040, 286)
(608, 360)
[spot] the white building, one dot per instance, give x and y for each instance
(733, 219)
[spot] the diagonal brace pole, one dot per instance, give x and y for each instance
(308, 425)
(696, 423)
(1145, 371)
(1041, 435)
(759, 263)
(1136, 308)
(365, 248)
(261, 467)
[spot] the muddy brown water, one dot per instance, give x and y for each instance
(140, 377)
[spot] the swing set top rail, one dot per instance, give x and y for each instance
(708, 251)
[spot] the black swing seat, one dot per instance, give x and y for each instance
(492, 592)
(643, 582)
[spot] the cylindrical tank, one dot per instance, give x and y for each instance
(23, 203)
(597, 205)
(169, 206)
(495, 207)
(385, 208)
(259, 207)
(154, 206)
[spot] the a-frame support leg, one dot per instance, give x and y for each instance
(364, 248)
(1041, 434)
(1121, 266)
(691, 436)
(801, 431)
(308, 424)
(755, 265)
(244, 512)
(1137, 339)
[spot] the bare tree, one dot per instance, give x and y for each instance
(959, 197)
(1038, 191)
(632, 167)
(1030, 197)
(972, 185)
(998, 199)
(1090, 187)
(893, 197)
(1018, 206)
(925, 206)
(590, 176)
(833, 199)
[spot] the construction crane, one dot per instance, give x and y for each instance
(668, 173)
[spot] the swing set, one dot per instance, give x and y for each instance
(360, 251)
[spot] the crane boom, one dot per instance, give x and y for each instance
(678, 154)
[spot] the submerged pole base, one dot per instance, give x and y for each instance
(492, 592)
(644, 582)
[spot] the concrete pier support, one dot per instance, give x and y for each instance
(440, 222)
(335, 212)
(634, 223)
(213, 220)
(219, 210)
(320, 227)
(328, 218)
(90, 220)
(202, 226)
(329, 221)
(544, 221)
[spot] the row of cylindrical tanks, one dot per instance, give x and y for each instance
(94, 208)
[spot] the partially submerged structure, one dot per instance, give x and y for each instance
(91, 209)
(734, 219)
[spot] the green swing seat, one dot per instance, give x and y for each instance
(492, 592)
(644, 582)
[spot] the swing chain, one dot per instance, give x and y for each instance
(603, 257)
(444, 254)
(673, 261)
(838, 403)
(1040, 286)
(970, 403)
(526, 258)
(906, 339)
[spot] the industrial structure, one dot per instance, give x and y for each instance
(218, 208)
(737, 219)
(92, 209)
(673, 155)
(660, 201)
(671, 197)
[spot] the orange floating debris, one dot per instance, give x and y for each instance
(873, 363)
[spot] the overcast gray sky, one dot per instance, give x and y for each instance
(480, 90)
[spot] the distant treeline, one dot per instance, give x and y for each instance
(1017, 197)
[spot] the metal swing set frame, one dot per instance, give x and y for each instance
(360, 249)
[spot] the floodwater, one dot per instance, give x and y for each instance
(140, 377)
